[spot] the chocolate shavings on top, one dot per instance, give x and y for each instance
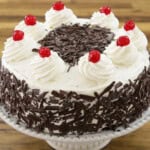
(73, 41)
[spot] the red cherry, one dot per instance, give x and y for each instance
(105, 9)
(44, 52)
(94, 56)
(18, 35)
(129, 25)
(30, 20)
(123, 41)
(58, 6)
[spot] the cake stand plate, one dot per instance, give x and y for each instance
(84, 142)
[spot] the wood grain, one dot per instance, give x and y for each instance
(12, 11)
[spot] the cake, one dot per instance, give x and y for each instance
(75, 76)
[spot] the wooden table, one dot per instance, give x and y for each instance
(12, 11)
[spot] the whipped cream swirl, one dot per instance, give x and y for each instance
(57, 18)
(108, 21)
(37, 31)
(48, 68)
(98, 72)
(138, 37)
(123, 56)
(19, 50)
(119, 32)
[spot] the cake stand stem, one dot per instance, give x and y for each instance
(81, 145)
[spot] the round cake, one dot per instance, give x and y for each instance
(75, 76)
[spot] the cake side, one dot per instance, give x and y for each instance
(70, 113)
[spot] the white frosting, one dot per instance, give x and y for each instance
(72, 80)
(37, 31)
(18, 50)
(99, 72)
(119, 32)
(138, 37)
(57, 18)
(48, 68)
(109, 21)
(126, 55)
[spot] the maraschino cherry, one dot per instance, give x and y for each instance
(105, 9)
(18, 35)
(44, 52)
(123, 41)
(129, 25)
(94, 56)
(58, 6)
(30, 20)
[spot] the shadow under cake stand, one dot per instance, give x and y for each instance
(84, 142)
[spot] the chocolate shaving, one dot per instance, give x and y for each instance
(35, 50)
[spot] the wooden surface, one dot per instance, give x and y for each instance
(12, 11)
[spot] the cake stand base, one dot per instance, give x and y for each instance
(82, 145)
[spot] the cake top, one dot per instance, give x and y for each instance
(75, 54)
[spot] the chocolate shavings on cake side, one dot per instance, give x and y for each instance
(65, 113)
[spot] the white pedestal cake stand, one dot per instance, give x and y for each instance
(84, 142)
